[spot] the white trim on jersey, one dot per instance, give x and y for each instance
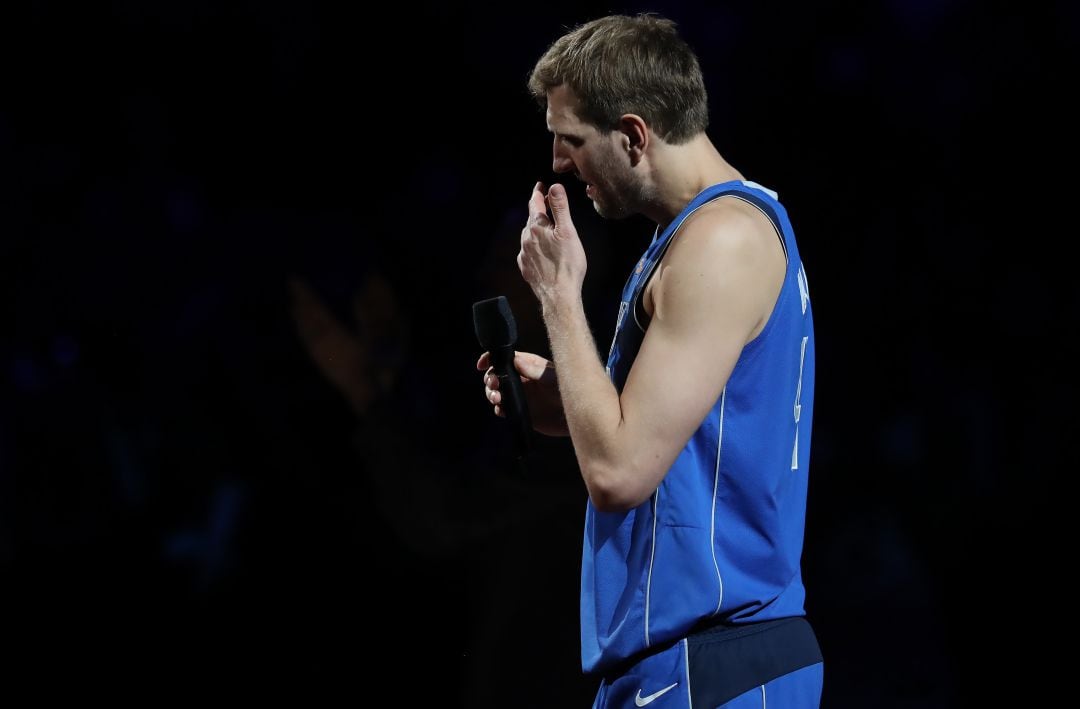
(686, 665)
(716, 486)
(652, 560)
(763, 188)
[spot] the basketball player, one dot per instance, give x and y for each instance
(694, 439)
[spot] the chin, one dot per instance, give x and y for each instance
(607, 212)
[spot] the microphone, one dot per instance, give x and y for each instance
(497, 333)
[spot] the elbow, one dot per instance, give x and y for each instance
(607, 503)
(610, 491)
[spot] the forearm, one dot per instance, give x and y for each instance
(590, 401)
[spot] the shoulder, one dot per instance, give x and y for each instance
(728, 226)
(729, 239)
(726, 255)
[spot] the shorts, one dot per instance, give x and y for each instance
(776, 663)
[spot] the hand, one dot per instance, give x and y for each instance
(541, 391)
(362, 366)
(552, 259)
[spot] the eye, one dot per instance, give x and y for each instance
(573, 141)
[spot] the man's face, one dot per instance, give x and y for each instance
(596, 158)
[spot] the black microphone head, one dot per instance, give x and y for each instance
(494, 323)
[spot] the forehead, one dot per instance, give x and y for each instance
(562, 107)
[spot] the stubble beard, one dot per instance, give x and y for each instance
(622, 195)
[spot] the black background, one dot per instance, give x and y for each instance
(183, 498)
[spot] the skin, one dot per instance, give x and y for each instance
(711, 294)
(344, 358)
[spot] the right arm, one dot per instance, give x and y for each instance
(541, 391)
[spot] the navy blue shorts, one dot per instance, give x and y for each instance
(777, 663)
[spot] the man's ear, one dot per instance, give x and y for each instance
(634, 136)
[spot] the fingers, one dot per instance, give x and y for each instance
(560, 205)
(375, 304)
(491, 390)
(303, 297)
(491, 380)
(311, 315)
(529, 365)
(537, 204)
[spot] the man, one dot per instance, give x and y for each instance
(694, 441)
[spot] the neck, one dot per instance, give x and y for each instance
(684, 171)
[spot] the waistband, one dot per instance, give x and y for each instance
(727, 659)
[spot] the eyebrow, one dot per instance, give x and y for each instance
(569, 136)
(557, 132)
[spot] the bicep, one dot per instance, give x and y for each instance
(711, 297)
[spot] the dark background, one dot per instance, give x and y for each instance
(188, 502)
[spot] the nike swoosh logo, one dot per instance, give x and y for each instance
(641, 701)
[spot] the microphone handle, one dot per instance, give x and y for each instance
(513, 396)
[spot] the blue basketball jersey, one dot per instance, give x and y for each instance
(721, 538)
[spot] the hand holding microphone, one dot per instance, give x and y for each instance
(551, 260)
(497, 332)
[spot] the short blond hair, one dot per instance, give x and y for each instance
(628, 64)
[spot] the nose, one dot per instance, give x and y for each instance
(560, 162)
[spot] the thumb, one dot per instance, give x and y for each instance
(560, 205)
(529, 365)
